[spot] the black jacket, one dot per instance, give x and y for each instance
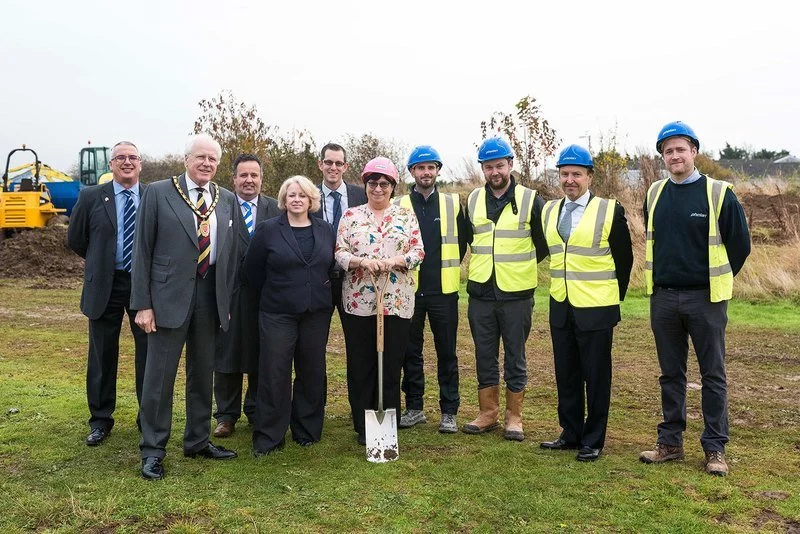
(275, 266)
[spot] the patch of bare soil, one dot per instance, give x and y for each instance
(40, 253)
(773, 218)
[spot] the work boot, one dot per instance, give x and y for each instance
(489, 404)
(715, 463)
(411, 418)
(513, 428)
(662, 453)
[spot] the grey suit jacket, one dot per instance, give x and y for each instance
(237, 349)
(92, 234)
(165, 253)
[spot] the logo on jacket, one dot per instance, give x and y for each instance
(703, 215)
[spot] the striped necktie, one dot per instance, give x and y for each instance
(128, 228)
(203, 241)
(248, 217)
(565, 226)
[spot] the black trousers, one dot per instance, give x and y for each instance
(582, 359)
(164, 347)
(285, 339)
(360, 335)
(103, 357)
(676, 315)
(228, 394)
(491, 320)
(442, 311)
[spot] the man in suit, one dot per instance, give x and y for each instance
(185, 260)
(590, 265)
(238, 349)
(337, 196)
(101, 231)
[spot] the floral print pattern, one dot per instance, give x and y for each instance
(362, 235)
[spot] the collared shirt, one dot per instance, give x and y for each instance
(577, 213)
(192, 186)
(327, 212)
(253, 206)
(119, 204)
(690, 180)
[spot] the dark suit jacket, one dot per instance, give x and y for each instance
(275, 266)
(237, 349)
(601, 317)
(356, 196)
(92, 234)
(165, 253)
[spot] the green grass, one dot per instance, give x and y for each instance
(52, 481)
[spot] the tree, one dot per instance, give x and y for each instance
(159, 168)
(362, 149)
(239, 129)
(530, 135)
(733, 152)
(770, 154)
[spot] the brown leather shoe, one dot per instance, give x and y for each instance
(715, 463)
(662, 453)
(224, 429)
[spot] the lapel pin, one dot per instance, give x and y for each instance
(106, 199)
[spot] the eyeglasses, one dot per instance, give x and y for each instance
(331, 163)
(212, 160)
(122, 159)
(383, 185)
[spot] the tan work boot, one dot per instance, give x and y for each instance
(513, 428)
(662, 453)
(489, 404)
(715, 463)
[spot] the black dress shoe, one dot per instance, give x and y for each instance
(97, 436)
(559, 444)
(588, 454)
(212, 452)
(362, 440)
(152, 468)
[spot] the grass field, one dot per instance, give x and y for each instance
(52, 481)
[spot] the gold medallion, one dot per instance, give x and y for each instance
(205, 228)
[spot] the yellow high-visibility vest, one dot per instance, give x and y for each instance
(582, 269)
(449, 208)
(506, 247)
(720, 274)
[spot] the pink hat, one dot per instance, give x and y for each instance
(380, 165)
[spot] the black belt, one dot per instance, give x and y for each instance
(684, 288)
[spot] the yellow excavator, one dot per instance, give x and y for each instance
(35, 195)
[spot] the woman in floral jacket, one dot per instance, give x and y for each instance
(373, 239)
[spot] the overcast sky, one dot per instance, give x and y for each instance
(420, 72)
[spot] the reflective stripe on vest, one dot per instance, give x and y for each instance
(586, 274)
(720, 275)
(506, 248)
(449, 206)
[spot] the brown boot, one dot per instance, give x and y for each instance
(489, 403)
(514, 416)
(715, 463)
(662, 453)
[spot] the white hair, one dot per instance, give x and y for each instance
(123, 143)
(197, 138)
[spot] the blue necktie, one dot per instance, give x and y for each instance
(337, 209)
(128, 228)
(248, 217)
(565, 226)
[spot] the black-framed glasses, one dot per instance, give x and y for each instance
(383, 185)
(331, 163)
(121, 159)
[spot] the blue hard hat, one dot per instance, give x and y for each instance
(494, 148)
(675, 129)
(575, 155)
(422, 154)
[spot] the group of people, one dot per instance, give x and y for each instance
(248, 285)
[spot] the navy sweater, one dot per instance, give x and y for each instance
(680, 233)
